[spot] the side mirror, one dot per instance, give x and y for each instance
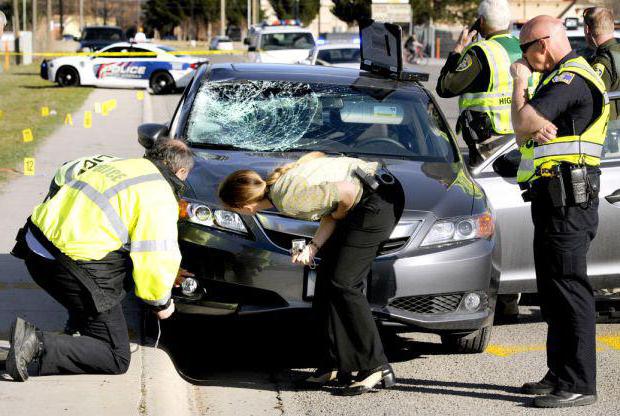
(150, 133)
(613, 198)
(75, 38)
(507, 164)
(251, 48)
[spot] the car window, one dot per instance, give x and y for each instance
(116, 49)
(275, 41)
(286, 116)
(140, 53)
(340, 56)
(612, 141)
(113, 35)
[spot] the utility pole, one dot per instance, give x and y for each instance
(222, 17)
(62, 18)
(24, 27)
(81, 16)
(16, 18)
(105, 12)
(34, 26)
(249, 18)
(48, 29)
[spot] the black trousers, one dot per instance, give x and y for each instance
(562, 238)
(347, 331)
(102, 348)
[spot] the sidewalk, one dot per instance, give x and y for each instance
(152, 385)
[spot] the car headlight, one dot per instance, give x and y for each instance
(460, 229)
(199, 213)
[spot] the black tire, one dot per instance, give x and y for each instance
(473, 343)
(161, 82)
(67, 76)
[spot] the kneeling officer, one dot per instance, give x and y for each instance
(114, 219)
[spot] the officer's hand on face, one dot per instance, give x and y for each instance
(545, 134)
(464, 40)
(306, 256)
(181, 275)
(520, 69)
(165, 313)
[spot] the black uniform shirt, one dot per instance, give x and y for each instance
(604, 68)
(565, 99)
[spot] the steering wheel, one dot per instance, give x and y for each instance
(374, 140)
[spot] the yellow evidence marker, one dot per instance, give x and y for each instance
(88, 119)
(140, 95)
(68, 120)
(29, 166)
(27, 135)
(45, 111)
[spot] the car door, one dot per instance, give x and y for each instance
(517, 231)
(107, 68)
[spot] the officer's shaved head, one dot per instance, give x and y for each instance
(544, 42)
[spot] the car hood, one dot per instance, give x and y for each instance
(439, 187)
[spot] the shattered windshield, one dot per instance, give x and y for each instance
(286, 116)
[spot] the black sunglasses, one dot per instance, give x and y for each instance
(525, 46)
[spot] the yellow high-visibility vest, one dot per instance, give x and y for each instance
(578, 149)
(500, 51)
(120, 205)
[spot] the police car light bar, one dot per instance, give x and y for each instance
(381, 51)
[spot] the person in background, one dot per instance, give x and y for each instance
(354, 221)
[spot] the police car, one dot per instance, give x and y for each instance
(124, 65)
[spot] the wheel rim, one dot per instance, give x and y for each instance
(161, 83)
(67, 78)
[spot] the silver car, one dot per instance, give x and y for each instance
(515, 223)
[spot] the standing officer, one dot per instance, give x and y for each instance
(116, 219)
(599, 31)
(560, 171)
(479, 73)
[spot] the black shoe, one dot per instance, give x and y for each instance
(25, 348)
(368, 380)
(561, 398)
(323, 376)
(544, 386)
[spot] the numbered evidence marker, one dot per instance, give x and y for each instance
(140, 95)
(108, 106)
(29, 166)
(27, 135)
(68, 120)
(88, 119)
(45, 111)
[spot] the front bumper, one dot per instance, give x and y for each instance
(243, 276)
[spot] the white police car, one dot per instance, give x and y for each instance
(124, 65)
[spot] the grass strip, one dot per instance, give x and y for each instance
(22, 94)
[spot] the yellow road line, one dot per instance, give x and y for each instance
(609, 342)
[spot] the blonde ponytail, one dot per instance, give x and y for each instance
(278, 172)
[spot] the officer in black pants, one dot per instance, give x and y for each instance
(561, 132)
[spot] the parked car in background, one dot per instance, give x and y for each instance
(221, 43)
(514, 218)
(94, 38)
(124, 65)
(438, 271)
(279, 44)
(345, 55)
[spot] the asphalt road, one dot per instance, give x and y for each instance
(249, 367)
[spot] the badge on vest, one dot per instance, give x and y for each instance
(465, 63)
(566, 77)
(599, 69)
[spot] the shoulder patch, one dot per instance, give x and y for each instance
(599, 69)
(566, 78)
(465, 63)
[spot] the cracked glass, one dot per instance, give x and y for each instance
(277, 116)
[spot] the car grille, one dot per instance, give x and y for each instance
(428, 303)
(284, 240)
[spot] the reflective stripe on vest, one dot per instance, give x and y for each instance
(495, 102)
(586, 148)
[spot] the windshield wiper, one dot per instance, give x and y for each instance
(221, 146)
